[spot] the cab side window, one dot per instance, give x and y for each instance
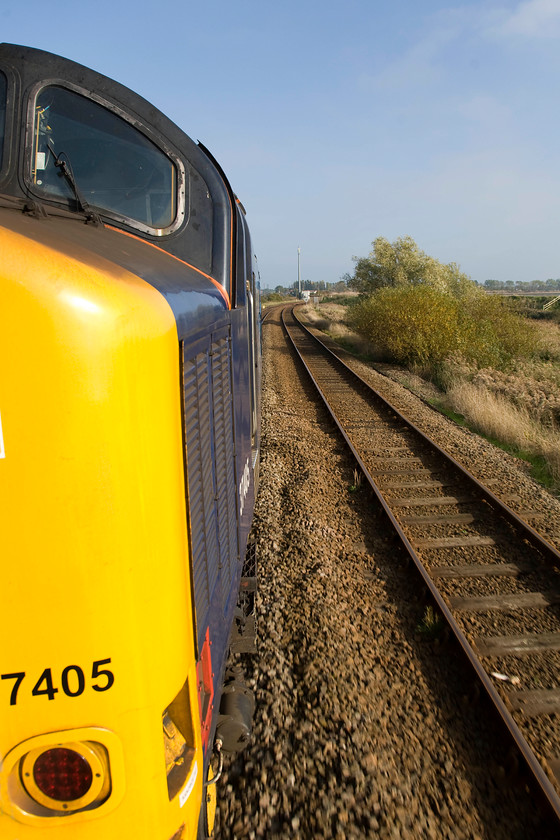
(3, 92)
(115, 167)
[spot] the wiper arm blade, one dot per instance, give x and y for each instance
(62, 162)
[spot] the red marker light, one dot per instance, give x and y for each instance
(62, 774)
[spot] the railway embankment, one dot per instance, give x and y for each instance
(362, 728)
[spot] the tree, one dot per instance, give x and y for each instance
(366, 277)
(402, 263)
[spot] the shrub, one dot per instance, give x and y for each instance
(414, 324)
(421, 325)
(493, 333)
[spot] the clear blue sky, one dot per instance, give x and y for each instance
(338, 122)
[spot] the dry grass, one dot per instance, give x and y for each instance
(333, 312)
(496, 417)
(330, 318)
(549, 332)
(529, 389)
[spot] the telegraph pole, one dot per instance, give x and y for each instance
(298, 273)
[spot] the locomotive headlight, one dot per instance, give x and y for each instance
(66, 777)
(77, 775)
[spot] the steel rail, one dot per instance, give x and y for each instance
(549, 551)
(266, 315)
(531, 762)
(269, 311)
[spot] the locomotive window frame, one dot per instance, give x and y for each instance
(3, 114)
(148, 142)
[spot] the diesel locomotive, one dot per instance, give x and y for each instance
(129, 450)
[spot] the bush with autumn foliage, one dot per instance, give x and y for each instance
(419, 311)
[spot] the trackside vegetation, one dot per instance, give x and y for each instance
(496, 369)
(419, 311)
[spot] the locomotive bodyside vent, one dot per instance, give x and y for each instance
(211, 480)
(201, 493)
(224, 455)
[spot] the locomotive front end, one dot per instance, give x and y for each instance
(96, 586)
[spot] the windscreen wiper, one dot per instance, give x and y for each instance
(62, 162)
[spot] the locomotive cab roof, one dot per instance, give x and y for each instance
(74, 142)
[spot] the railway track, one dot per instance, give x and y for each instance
(493, 580)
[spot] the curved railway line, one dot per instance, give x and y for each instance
(492, 578)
